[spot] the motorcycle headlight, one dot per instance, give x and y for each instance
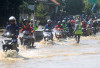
(58, 33)
(8, 33)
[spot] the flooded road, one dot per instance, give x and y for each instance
(57, 54)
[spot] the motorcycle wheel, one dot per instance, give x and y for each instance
(5, 49)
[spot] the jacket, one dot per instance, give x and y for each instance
(78, 29)
(14, 29)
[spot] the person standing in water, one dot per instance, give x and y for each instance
(77, 31)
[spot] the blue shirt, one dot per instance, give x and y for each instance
(50, 27)
(14, 29)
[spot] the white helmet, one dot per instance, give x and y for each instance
(77, 21)
(12, 18)
(31, 20)
(49, 21)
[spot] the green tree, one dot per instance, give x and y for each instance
(74, 7)
(41, 11)
(24, 8)
(88, 6)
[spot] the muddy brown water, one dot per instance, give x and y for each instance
(57, 54)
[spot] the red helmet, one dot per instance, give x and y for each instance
(83, 22)
(72, 21)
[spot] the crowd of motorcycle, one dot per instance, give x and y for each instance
(63, 29)
(66, 28)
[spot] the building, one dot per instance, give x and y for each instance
(31, 6)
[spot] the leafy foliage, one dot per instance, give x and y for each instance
(41, 11)
(24, 7)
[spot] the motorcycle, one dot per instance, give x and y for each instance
(84, 32)
(69, 34)
(47, 35)
(89, 30)
(58, 33)
(10, 42)
(28, 38)
(94, 30)
(64, 33)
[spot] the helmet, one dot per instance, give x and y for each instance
(83, 22)
(49, 21)
(12, 18)
(35, 21)
(25, 21)
(65, 18)
(63, 21)
(77, 21)
(31, 20)
(59, 23)
(72, 21)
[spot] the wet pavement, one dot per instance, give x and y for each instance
(58, 54)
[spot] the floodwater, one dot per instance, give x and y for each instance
(58, 54)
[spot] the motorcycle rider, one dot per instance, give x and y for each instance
(72, 23)
(95, 25)
(26, 28)
(35, 25)
(70, 27)
(24, 21)
(49, 26)
(13, 28)
(84, 27)
(58, 25)
(83, 24)
(89, 26)
(31, 23)
(64, 25)
(77, 31)
(90, 22)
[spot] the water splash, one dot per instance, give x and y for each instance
(10, 56)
